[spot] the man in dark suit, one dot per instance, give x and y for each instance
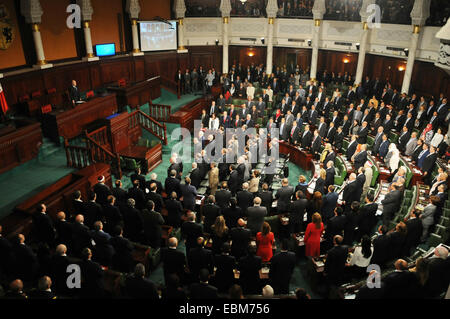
(233, 181)
(266, 197)
(306, 138)
(138, 176)
(203, 290)
(152, 222)
(381, 247)
(362, 133)
(210, 211)
(281, 268)
(366, 219)
(240, 238)
(113, 217)
(296, 212)
(81, 237)
(42, 227)
(244, 198)
(25, 261)
(58, 270)
(315, 144)
(92, 286)
(74, 93)
(103, 251)
(414, 232)
(438, 278)
(428, 165)
(189, 194)
(119, 193)
(172, 184)
(200, 258)
(93, 210)
(351, 148)
(398, 282)
(403, 139)
(139, 287)
(138, 195)
(102, 190)
(195, 176)
(391, 203)
(360, 158)
(223, 196)
(335, 263)
(350, 191)
(249, 267)
(174, 260)
(63, 231)
(283, 196)
(384, 147)
(335, 226)
(123, 258)
(255, 216)
(190, 231)
(155, 197)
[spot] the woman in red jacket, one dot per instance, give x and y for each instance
(312, 236)
(265, 240)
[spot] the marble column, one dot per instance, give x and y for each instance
(134, 32)
(181, 48)
(40, 63)
(362, 53)
(269, 62)
(315, 50)
(225, 45)
(411, 57)
(88, 42)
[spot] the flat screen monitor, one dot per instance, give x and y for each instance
(158, 36)
(107, 49)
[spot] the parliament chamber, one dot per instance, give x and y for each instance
(258, 149)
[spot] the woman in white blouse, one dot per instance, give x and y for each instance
(270, 93)
(437, 138)
(361, 257)
(394, 158)
(213, 122)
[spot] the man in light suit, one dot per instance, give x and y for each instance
(213, 176)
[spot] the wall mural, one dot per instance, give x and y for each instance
(7, 31)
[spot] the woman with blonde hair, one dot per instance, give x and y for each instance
(320, 182)
(313, 233)
(219, 234)
(254, 182)
(265, 240)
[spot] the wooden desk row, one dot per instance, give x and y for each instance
(72, 122)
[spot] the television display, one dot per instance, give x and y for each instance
(158, 36)
(107, 49)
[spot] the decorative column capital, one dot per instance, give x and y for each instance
(86, 9)
(225, 8)
(179, 9)
(318, 9)
(363, 12)
(271, 9)
(133, 8)
(31, 10)
(420, 13)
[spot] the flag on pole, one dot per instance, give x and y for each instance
(3, 103)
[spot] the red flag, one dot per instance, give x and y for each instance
(3, 103)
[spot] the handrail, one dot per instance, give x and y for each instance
(151, 125)
(101, 154)
(171, 86)
(160, 112)
(99, 135)
(77, 156)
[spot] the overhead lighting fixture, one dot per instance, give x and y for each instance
(243, 1)
(346, 60)
(401, 68)
(251, 53)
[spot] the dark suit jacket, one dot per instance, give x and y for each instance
(380, 250)
(152, 222)
(240, 238)
(366, 219)
(283, 196)
(172, 185)
(351, 150)
(255, 218)
(414, 232)
(297, 210)
(223, 197)
(195, 178)
(244, 200)
(210, 212)
(329, 204)
(140, 288)
(224, 276)
(43, 228)
(199, 258)
(203, 291)
(335, 263)
(281, 268)
(103, 192)
(191, 231)
(81, 237)
(249, 267)
(428, 162)
(174, 262)
(140, 178)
